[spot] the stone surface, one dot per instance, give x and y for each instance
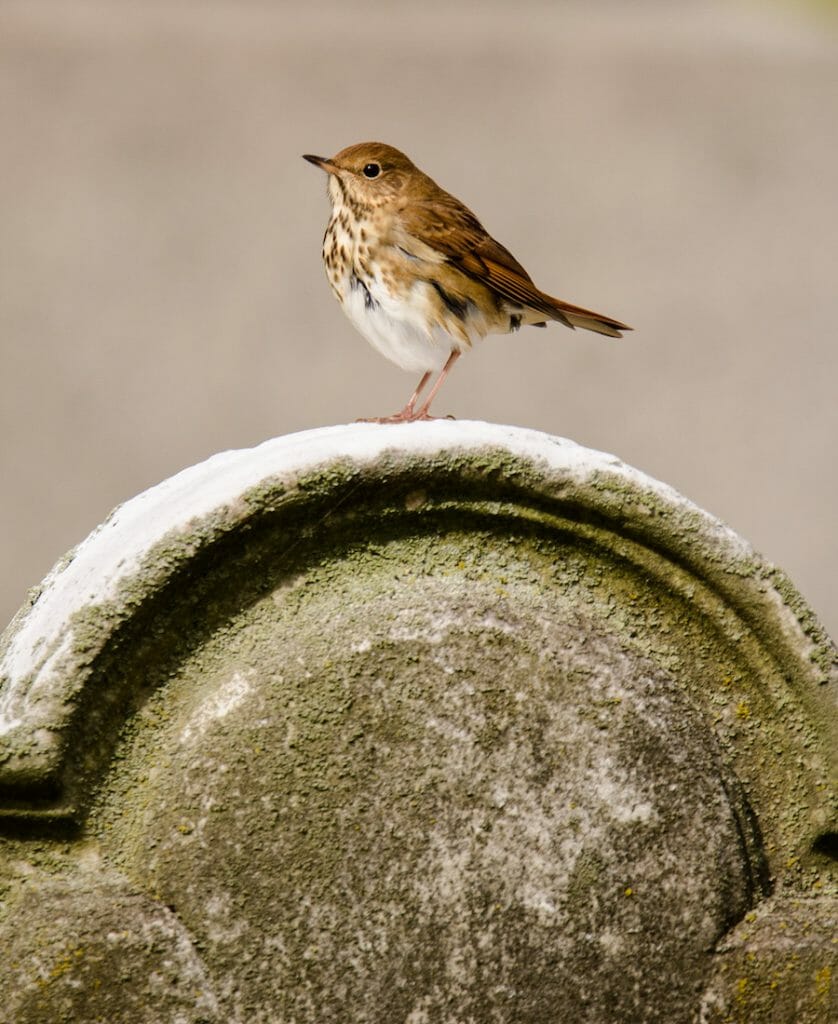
(161, 290)
(444, 722)
(778, 964)
(100, 951)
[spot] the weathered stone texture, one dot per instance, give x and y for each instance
(447, 723)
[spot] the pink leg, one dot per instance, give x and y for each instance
(424, 413)
(407, 414)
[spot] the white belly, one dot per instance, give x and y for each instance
(400, 330)
(408, 329)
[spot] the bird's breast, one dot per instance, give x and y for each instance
(412, 309)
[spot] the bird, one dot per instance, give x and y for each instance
(417, 273)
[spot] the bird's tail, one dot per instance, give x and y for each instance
(576, 316)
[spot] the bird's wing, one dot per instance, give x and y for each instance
(446, 226)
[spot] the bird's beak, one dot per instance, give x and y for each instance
(321, 162)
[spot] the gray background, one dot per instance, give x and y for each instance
(161, 292)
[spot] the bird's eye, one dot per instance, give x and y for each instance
(372, 170)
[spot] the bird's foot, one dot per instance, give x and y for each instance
(426, 417)
(395, 418)
(405, 416)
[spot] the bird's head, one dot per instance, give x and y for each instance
(369, 175)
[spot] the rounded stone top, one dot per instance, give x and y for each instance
(51, 651)
(439, 721)
(149, 536)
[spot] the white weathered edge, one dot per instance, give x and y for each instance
(113, 552)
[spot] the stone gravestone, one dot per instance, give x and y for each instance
(441, 722)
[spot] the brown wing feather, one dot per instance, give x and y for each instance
(444, 223)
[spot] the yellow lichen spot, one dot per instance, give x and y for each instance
(461, 564)
(628, 891)
(791, 862)
(61, 967)
(751, 916)
(727, 680)
(823, 982)
(743, 709)
(741, 990)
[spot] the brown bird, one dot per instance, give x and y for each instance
(418, 274)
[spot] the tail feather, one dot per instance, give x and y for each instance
(577, 316)
(602, 325)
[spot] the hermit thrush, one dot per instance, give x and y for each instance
(417, 273)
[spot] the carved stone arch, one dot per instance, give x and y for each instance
(442, 721)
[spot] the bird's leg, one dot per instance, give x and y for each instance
(407, 414)
(424, 412)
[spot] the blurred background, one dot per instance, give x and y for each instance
(674, 165)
